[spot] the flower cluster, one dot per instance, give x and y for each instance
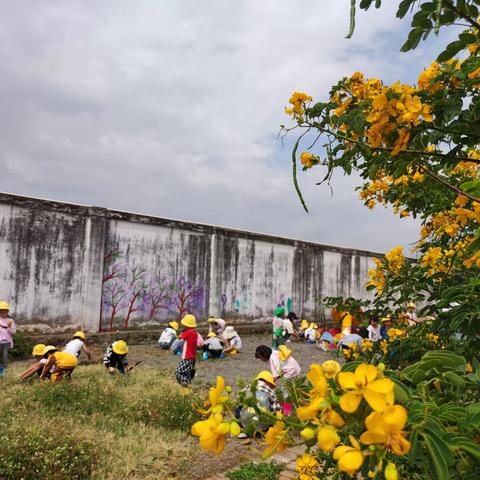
(298, 100)
(391, 264)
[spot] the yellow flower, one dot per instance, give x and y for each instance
(363, 383)
(310, 411)
(335, 419)
(331, 368)
(367, 345)
(384, 346)
(211, 433)
(350, 459)
(327, 438)
(308, 159)
(387, 429)
(276, 439)
(391, 472)
(307, 466)
(215, 398)
(318, 380)
(396, 333)
(308, 434)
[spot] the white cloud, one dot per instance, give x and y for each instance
(172, 108)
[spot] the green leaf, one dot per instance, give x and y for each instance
(403, 7)
(437, 459)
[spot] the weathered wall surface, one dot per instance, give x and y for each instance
(67, 266)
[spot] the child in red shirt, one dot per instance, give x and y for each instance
(186, 368)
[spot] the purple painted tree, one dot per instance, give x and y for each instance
(186, 298)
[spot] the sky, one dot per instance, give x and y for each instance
(172, 108)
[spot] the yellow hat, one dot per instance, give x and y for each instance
(266, 376)
(212, 320)
(283, 353)
(312, 325)
(411, 305)
(38, 349)
(79, 334)
(211, 334)
(388, 318)
(304, 324)
(48, 349)
(120, 347)
(189, 321)
(174, 325)
(4, 306)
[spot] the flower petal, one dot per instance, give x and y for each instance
(350, 462)
(370, 437)
(375, 400)
(394, 418)
(384, 386)
(366, 373)
(346, 380)
(350, 401)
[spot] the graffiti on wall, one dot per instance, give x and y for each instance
(132, 293)
(238, 304)
(285, 302)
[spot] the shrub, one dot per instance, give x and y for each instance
(30, 452)
(256, 471)
(22, 347)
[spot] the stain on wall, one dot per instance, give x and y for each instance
(66, 266)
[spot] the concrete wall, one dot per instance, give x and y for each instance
(66, 266)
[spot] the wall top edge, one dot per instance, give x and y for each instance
(120, 215)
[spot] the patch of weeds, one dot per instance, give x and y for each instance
(256, 471)
(22, 347)
(30, 452)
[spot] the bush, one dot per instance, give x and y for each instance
(22, 347)
(256, 471)
(29, 452)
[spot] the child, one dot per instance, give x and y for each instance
(212, 347)
(185, 371)
(386, 326)
(277, 327)
(311, 333)
(282, 363)
(216, 325)
(37, 367)
(412, 315)
(303, 327)
(374, 330)
(116, 357)
(288, 330)
(7, 329)
(232, 341)
(77, 344)
(58, 365)
(168, 336)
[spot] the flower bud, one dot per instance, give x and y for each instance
(307, 434)
(381, 367)
(391, 472)
(228, 389)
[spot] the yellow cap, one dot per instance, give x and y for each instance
(304, 324)
(211, 334)
(283, 353)
(411, 305)
(38, 349)
(4, 306)
(212, 320)
(120, 347)
(48, 349)
(174, 325)
(388, 318)
(312, 325)
(79, 334)
(266, 376)
(189, 321)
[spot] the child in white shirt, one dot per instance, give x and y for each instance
(374, 330)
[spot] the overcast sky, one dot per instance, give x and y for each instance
(172, 108)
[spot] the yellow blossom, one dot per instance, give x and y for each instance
(364, 382)
(318, 380)
(386, 428)
(211, 433)
(310, 411)
(331, 368)
(276, 439)
(308, 159)
(334, 418)
(350, 459)
(327, 438)
(367, 345)
(391, 472)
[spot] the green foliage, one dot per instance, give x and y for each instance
(22, 347)
(256, 471)
(28, 452)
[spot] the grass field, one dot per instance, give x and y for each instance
(102, 427)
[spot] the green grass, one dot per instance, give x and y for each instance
(256, 471)
(98, 427)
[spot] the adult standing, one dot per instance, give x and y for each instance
(7, 330)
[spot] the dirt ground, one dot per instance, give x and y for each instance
(242, 365)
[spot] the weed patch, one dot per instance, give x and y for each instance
(256, 471)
